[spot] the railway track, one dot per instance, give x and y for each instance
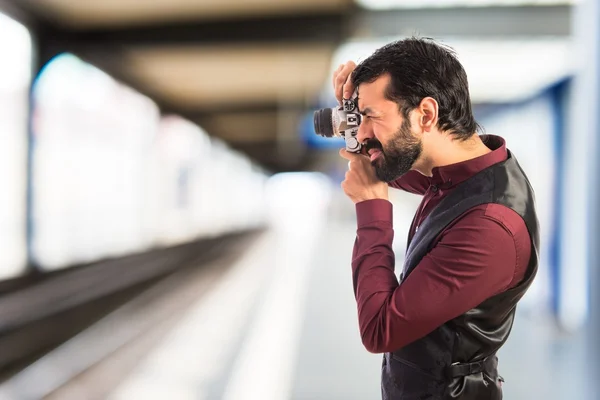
(64, 344)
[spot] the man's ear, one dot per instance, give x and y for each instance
(428, 114)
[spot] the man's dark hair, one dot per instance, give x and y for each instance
(419, 68)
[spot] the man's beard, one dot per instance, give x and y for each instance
(399, 155)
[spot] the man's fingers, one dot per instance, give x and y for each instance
(339, 85)
(336, 73)
(342, 82)
(347, 155)
(348, 85)
(363, 155)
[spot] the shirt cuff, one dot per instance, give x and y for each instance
(370, 211)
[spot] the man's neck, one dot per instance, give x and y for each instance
(448, 151)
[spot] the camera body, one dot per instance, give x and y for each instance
(342, 121)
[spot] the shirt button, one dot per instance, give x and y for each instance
(434, 188)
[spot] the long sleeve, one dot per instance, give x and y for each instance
(480, 255)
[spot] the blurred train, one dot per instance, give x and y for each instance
(108, 174)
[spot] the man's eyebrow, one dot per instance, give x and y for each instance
(365, 111)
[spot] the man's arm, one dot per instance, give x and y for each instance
(412, 182)
(478, 257)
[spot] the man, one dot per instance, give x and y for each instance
(473, 244)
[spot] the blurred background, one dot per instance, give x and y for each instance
(172, 227)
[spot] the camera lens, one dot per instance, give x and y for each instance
(323, 124)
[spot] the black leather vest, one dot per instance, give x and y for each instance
(458, 360)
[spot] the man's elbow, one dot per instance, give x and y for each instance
(375, 345)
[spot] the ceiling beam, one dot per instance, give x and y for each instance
(512, 21)
(299, 28)
(259, 107)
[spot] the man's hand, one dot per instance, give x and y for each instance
(342, 82)
(361, 183)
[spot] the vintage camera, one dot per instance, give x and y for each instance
(342, 121)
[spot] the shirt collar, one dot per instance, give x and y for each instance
(453, 174)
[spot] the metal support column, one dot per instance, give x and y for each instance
(579, 253)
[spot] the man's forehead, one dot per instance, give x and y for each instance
(371, 93)
(366, 101)
(362, 97)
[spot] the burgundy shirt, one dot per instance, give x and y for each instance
(482, 253)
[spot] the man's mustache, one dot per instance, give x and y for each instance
(373, 144)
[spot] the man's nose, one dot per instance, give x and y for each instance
(364, 132)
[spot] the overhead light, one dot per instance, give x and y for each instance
(499, 71)
(396, 4)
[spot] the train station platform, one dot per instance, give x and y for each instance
(274, 320)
